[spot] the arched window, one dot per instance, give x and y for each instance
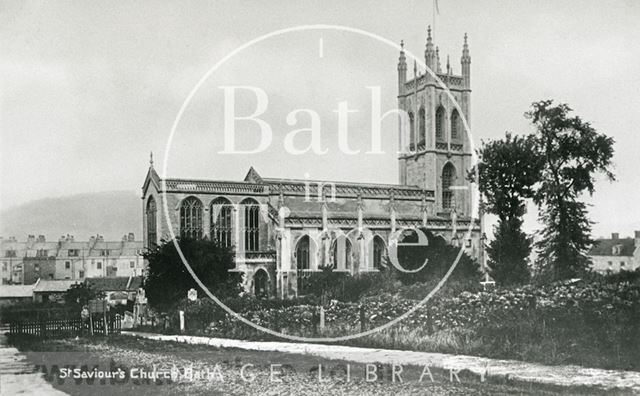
(440, 124)
(191, 218)
(261, 283)
(152, 232)
(251, 225)
(302, 263)
(455, 125)
(412, 132)
(341, 253)
(302, 253)
(422, 132)
(379, 252)
(221, 223)
(448, 177)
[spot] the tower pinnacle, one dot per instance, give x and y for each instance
(151, 159)
(429, 53)
(402, 69)
(466, 63)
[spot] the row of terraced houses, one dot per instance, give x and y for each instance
(24, 262)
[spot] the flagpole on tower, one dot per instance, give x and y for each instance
(436, 10)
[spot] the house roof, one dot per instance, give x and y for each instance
(54, 285)
(16, 291)
(115, 283)
(604, 247)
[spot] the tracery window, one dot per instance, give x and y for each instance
(221, 222)
(191, 218)
(251, 225)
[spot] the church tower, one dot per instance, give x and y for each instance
(435, 153)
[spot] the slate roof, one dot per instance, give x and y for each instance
(604, 247)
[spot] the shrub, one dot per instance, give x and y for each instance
(168, 280)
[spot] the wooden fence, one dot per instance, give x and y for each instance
(67, 327)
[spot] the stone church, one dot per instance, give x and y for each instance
(282, 230)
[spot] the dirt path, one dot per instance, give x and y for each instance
(17, 376)
(629, 381)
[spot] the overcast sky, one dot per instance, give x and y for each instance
(89, 88)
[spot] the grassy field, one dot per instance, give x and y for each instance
(220, 372)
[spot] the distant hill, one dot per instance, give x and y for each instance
(111, 214)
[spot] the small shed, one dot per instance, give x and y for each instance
(52, 290)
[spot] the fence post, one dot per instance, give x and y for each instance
(363, 324)
(321, 318)
(182, 321)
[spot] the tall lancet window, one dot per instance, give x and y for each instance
(412, 132)
(221, 225)
(448, 177)
(422, 132)
(191, 218)
(152, 232)
(455, 125)
(440, 124)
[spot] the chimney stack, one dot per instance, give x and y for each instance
(41, 238)
(132, 237)
(637, 239)
(615, 236)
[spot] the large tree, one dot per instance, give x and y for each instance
(573, 153)
(507, 171)
(169, 280)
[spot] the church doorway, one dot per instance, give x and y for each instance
(261, 284)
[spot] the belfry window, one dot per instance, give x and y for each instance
(412, 132)
(455, 125)
(422, 132)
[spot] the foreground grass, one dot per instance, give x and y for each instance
(297, 374)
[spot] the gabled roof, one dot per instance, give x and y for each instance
(151, 178)
(253, 176)
(604, 247)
